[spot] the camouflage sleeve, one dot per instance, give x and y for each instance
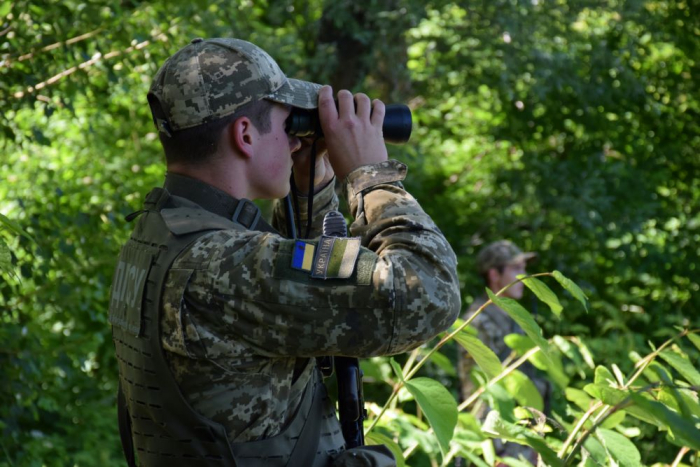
(325, 200)
(254, 296)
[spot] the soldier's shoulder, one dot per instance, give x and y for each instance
(219, 244)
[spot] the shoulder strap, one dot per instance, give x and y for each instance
(125, 428)
(305, 450)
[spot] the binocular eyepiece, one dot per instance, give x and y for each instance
(396, 127)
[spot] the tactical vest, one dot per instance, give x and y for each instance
(165, 430)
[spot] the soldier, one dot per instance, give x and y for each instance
(217, 318)
(499, 264)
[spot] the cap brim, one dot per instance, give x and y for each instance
(297, 93)
(527, 256)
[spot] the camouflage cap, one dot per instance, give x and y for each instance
(500, 254)
(209, 79)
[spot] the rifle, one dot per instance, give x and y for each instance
(351, 403)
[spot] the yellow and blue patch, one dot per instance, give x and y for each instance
(329, 258)
(335, 257)
(303, 256)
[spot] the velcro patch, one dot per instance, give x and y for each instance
(335, 257)
(303, 256)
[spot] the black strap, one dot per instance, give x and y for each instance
(241, 211)
(306, 447)
(125, 428)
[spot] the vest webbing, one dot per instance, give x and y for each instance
(165, 430)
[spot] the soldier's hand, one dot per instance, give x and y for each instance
(323, 172)
(353, 137)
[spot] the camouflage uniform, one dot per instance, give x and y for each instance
(492, 325)
(241, 321)
(239, 325)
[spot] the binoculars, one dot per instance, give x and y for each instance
(396, 127)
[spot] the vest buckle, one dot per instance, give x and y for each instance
(246, 214)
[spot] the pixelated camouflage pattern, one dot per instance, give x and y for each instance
(499, 254)
(235, 326)
(209, 79)
(492, 325)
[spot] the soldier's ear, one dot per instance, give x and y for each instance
(241, 136)
(494, 277)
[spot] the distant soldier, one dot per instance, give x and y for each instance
(217, 318)
(499, 264)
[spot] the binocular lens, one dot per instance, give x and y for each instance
(396, 128)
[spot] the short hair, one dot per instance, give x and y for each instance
(197, 144)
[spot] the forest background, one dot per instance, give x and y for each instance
(571, 127)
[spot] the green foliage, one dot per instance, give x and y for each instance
(592, 429)
(570, 127)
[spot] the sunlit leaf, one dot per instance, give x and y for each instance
(552, 366)
(595, 451)
(544, 293)
(397, 369)
(603, 375)
(573, 289)
(482, 355)
(521, 316)
(439, 407)
(374, 438)
(5, 256)
(443, 363)
(523, 390)
(614, 419)
(619, 448)
(579, 398)
(684, 431)
(495, 426)
(13, 226)
(695, 339)
(683, 366)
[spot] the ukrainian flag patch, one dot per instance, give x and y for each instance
(303, 256)
(335, 257)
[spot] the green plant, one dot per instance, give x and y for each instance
(661, 393)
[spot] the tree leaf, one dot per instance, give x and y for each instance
(523, 390)
(5, 257)
(513, 462)
(523, 318)
(552, 365)
(495, 426)
(377, 439)
(397, 369)
(695, 339)
(439, 406)
(683, 430)
(612, 420)
(682, 365)
(572, 288)
(595, 451)
(603, 376)
(605, 393)
(482, 355)
(544, 293)
(619, 448)
(579, 398)
(500, 400)
(13, 226)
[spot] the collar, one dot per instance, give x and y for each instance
(242, 211)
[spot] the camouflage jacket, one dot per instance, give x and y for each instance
(239, 328)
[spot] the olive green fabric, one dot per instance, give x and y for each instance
(165, 429)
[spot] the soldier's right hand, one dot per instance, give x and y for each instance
(353, 136)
